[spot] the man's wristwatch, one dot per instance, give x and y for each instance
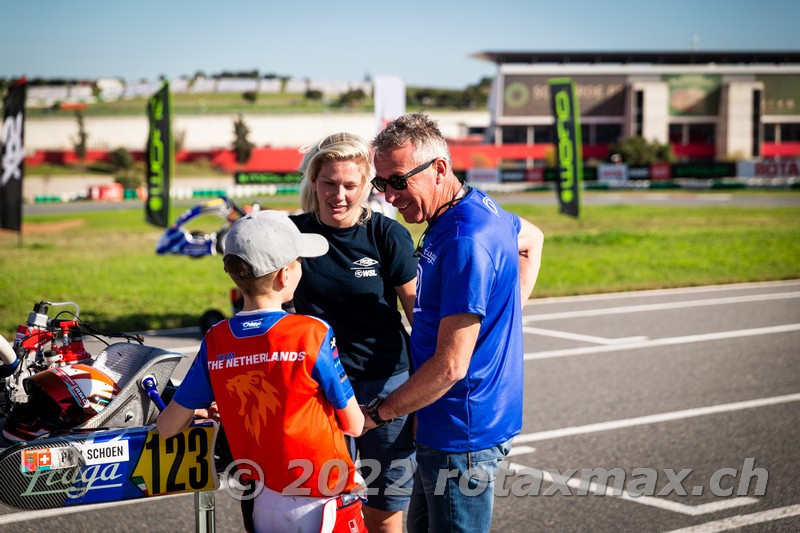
(372, 410)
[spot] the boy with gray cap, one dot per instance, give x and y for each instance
(279, 386)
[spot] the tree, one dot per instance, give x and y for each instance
(121, 159)
(179, 139)
(352, 98)
(637, 151)
(250, 96)
(241, 144)
(80, 140)
(314, 94)
(124, 173)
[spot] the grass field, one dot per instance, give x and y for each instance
(199, 104)
(105, 261)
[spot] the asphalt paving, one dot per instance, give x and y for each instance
(679, 394)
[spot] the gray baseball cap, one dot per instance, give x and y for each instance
(269, 240)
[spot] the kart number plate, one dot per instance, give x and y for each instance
(183, 463)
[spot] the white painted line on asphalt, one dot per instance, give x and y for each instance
(520, 450)
(657, 197)
(579, 337)
(654, 419)
(24, 516)
(661, 503)
(712, 197)
(663, 292)
(667, 341)
(735, 522)
(661, 306)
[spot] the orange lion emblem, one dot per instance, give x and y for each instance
(256, 395)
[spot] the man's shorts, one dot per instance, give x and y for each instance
(387, 454)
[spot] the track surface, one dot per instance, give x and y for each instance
(703, 379)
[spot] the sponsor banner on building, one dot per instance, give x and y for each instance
(159, 158)
(639, 172)
(512, 175)
(483, 175)
(529, 96)
(693, 94)
(612, 172)
(769, 168)
(535, 174)
(12, 157)
(704, 170)
(260, 178)
(389, 94)
(781, 93)
(569, 152)
(660, 171)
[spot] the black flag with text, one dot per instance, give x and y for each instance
(569, 152)
(159, 158)
(12, 157)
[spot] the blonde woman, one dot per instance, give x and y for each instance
(355, 287)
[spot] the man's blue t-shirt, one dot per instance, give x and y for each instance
(470, 264)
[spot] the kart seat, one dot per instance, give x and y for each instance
(127, 364)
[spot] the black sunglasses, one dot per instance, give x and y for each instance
(399, 182)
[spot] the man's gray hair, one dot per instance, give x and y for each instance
(421, 131)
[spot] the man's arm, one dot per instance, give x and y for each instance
(530, 241)
(407, 293)
(174, 419)
(454, 346)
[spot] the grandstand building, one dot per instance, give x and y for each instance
(706, 105)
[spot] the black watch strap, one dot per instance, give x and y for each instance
(372, 410)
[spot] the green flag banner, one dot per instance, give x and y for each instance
(566, 113)
(159, 158)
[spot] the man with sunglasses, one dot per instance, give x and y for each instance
(478, 265)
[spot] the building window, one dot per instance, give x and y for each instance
(756, 144)
(586, 133)
(639, 114)
(790, 132)
(701, 133)
(543, 134)
(769, 133)
(676, 134)
(515, 134)
(607, 133)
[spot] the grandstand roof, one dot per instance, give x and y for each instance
(664, 57)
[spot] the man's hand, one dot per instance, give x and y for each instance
(212, 413)
(368, 422)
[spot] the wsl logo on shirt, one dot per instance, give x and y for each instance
(364, 268)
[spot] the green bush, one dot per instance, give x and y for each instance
(121, 159)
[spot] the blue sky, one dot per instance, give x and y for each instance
(425, 42)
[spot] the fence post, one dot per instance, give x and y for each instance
(204, 512)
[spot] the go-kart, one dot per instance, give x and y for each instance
(177, 239)
(80, 429)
